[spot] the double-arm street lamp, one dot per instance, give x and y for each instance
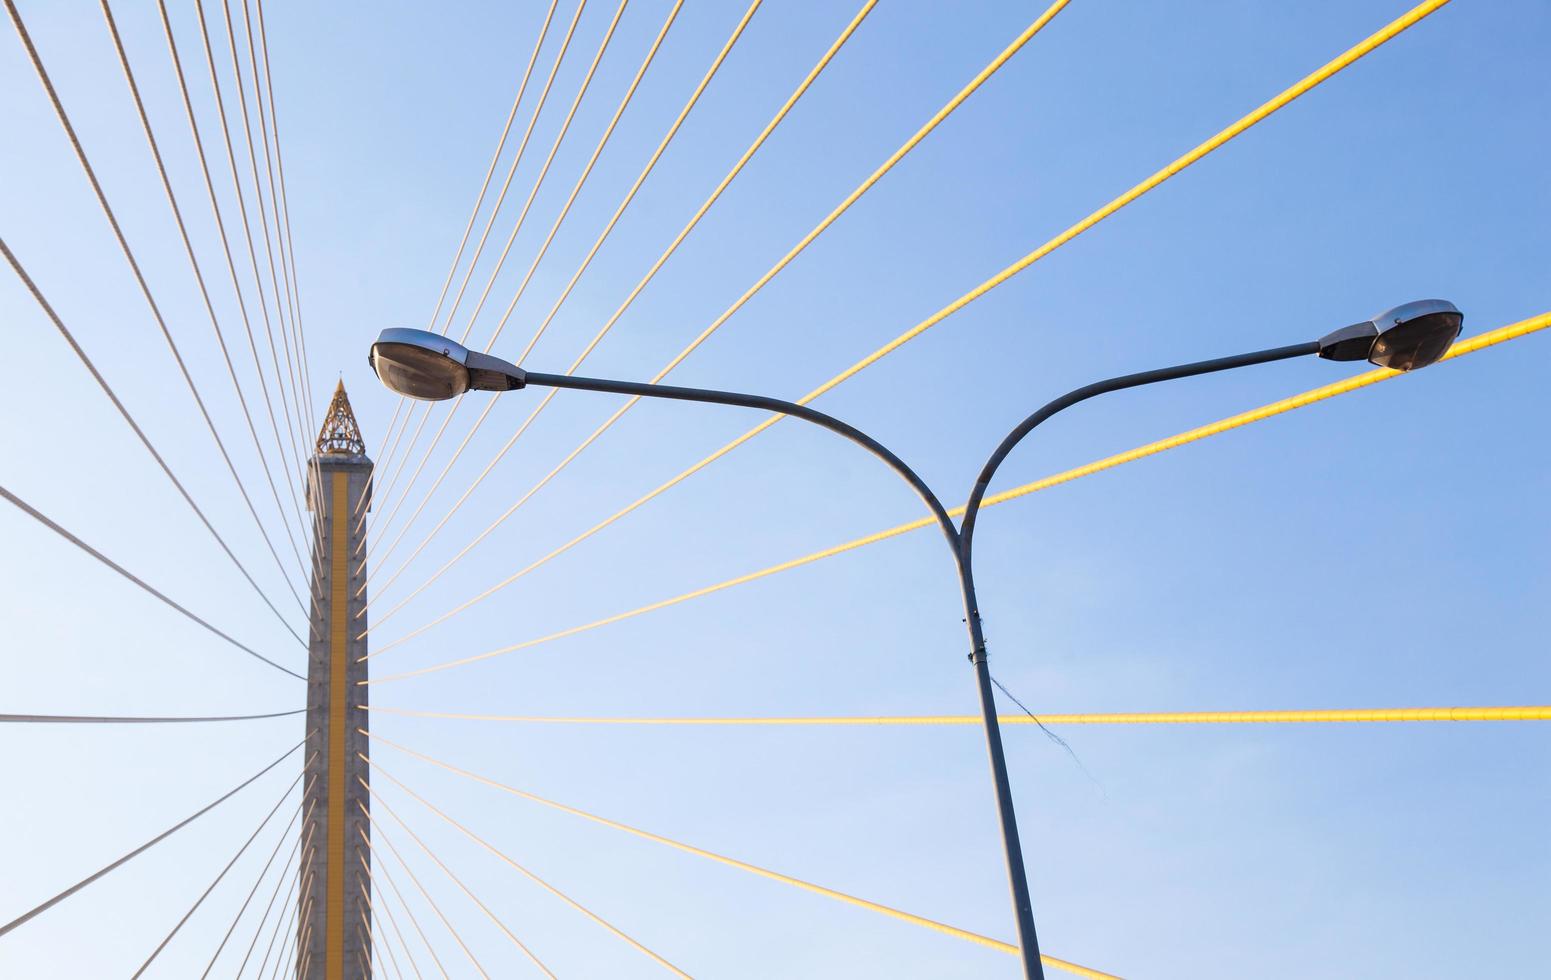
(430, 367)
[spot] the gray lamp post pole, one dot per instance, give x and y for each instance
(430, 367)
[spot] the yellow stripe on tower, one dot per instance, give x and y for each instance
(339, 659)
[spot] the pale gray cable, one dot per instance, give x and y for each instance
(204, 292)
(134, 719)
(45, 906)
(303, 811)
(134, 265)
(206, 893)
(43, 519)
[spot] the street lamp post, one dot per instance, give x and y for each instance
(429, 367)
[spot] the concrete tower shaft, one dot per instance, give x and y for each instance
(334, 919)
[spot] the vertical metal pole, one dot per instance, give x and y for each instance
(1023, 905)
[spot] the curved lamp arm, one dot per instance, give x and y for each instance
(972, 508)
(777, 405)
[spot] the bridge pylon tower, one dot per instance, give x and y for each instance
(334, 918)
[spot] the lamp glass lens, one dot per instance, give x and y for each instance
(1416, 343)
(418, 373)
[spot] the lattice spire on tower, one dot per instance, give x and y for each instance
(340, 434)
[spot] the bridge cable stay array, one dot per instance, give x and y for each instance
(809, 886)
(282, 452)
(379, 835)
(227, 867)
(517, 226)
(1491, 338)
(389, 440)
(295, 859)
(495, 210)
(295, 432)
(381, 867)
(673, 13)
(204, 292)
(118, 233)
(505, 929)
(646, 170)
(52, 525)
(298, 404)
(1179, 164)
(64, 331)
(292, 388)
(49, 903)
(269, 132)
(931, 124)
(492, 849)
(299, 884)
(303, 813)
(554, 229)
(296, 366)
(393, 922)
(288, 247)
(295, 342)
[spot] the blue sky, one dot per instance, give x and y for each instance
(1384, 549)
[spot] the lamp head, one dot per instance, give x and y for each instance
(426, 366)
(1410, 336)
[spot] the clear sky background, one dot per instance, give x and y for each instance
(1387, 548)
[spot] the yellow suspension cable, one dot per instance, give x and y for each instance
(511, 172)
(479, 201)
(522, 217)
(525, 872)
(913, 919)
(554, 229)
(1534, 712)
(495, 158)
(448, 872)
(1263, 112)
(1479, 342)
(834, 215)
(651, 164)
(484, 236)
